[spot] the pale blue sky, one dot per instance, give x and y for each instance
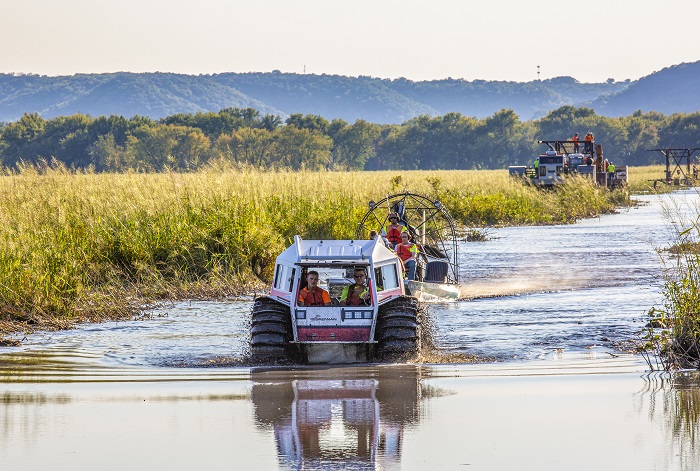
(420, 40)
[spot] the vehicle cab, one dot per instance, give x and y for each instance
(550, 168)
(336, 262)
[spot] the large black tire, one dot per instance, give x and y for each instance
(271, 331)
(398, 329)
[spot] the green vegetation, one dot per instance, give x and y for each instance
(673, 333)
(76, 246)
(188, 142)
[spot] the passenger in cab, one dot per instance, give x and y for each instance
(393, 230)
(356, 294)
(312, 294)
(408, 253)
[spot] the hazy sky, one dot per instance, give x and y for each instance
(420, 40)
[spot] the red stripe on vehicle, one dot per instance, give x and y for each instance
(333, 334)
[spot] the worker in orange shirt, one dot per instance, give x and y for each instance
(575, 139)
(588, 143)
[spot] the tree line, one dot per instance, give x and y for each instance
(185, 142)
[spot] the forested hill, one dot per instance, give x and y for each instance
(672, 90)
(124, 94)
(380, 101)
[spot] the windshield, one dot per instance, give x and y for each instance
(332, 279)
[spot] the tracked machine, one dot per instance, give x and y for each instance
(369, 310)
(383, 323)
(564, 158)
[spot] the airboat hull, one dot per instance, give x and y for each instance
(433, 292)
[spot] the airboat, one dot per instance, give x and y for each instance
(432, 229)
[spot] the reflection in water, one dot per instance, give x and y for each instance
(674, 400)
(561, 413)
(687, 405)
(321, 417)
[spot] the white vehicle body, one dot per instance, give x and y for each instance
(336, 333)
(550, 168)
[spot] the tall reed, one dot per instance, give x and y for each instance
(673, 333)
(90, 246)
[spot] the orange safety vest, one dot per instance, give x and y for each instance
(317, 297)
(405, 252)
(393, 234)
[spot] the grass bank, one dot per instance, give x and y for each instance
(98, 246)
(673, 332)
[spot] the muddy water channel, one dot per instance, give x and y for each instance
(550, 309)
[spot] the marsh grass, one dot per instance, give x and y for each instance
(641, 179)
(84, 246)
(672, 335)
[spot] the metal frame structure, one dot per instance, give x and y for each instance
(586, 148)
(679, 157)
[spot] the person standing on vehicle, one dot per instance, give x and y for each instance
(312, 294)
(611, 171)
(588, 148)
(575, 139)
(356, 294)
(408, 253)
(392, 231)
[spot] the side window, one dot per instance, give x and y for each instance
(284, 278)
(276, 283)
(290, 280)
(378, 279)
(387, 277)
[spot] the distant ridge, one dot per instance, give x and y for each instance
(382, 101)
(674, 89)
(123, 93)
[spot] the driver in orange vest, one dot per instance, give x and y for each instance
(393, 230)
(312, 294)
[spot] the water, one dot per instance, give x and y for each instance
(538, 290)
(551, 308)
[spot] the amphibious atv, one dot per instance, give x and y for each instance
(431, 228)
(383, 325)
